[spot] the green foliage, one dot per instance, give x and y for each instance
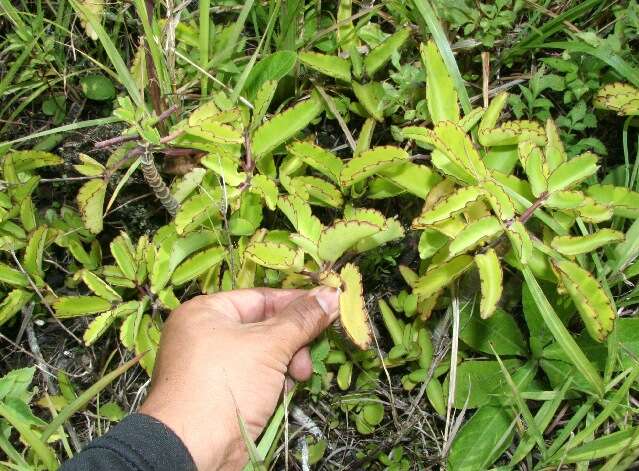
(335, 144)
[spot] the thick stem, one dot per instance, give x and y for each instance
(154, 179)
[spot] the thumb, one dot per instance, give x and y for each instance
(305, 318)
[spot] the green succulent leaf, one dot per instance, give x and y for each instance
(320, 159)
(381, 54)
(624, 202)
(285, 125)
(440, 276)
(352, 308)
(448, 206)
(441, 96)
(492, 281)
(475, 234)
(371, 97)
(74, 306)
(335, 240)
(90, 201)
(621, 98)
(275, 255)
(12, 303)
(572, 246)
(370, 162)
(333, 66)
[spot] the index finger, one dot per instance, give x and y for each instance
(251, 305)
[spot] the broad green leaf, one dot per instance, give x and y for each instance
(34, 251)
(12, 277)
(147, 341)
(448, 206)
(333, 66)
(275, 255)
(371, 97)
(624, 202)
(316, 191)
(90, 202)
(224, 166)
(492, 282)
(619, 97)
(499, 200)
(457, 146)
(493, 112)
(263, 99)
(498, 334)
(391, 230)
(28, 217)
(626, 251)
(197, 265)
(571, 246)
(381, 54)
(413, 178)
(535, 167)
(430, 241)
(481, 439)
(99, 287)
(200, 208)
(440, 276)
(89, 166)
(320, 159)
(97, 87)
(441, 96)
(123, 252)
(27, 160)
(572, 172)
(184, 186)
(370, 162)
(475, 234)
(266, 188)
(299, 213)
(352, 308)
(12, 303)
(511, 133)
(283, 126)
(74, 306)
(101, 323)
(335, 240)
(555, 153)
(481, 382)
(273, 67)
(590, 299)
(172, 251)
(364, 214)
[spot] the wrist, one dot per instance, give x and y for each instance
(214, 444)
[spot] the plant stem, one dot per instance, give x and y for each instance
(154, 179)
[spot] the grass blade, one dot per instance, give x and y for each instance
(84, 398)
(124, 76)
(67, 127)
(563, 337)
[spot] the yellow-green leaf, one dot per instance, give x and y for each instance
(571, 246)
(12, 277)
(266, 188)
(511, 133)
(520, 240)
(124, 254)
(12, 303)
(624, 202)
(99, 287)
(555, 153)
(341, 236)
(619, 97)
(371, 97)
(275, 255)
(381, 54)
(98, 326)
(440, 276)
(320, 159)
(590, 299)
(33, 253)
(413, 178)
(299, 213)
(197, 265)
(283, 126)
(441, 96)
(572, 172)
(333, 66)
(474, 234)
(448, 206)
(352, 308)
(316, 191)
(90, 201)
(369, 162)
(74, 306)
(492, 277)
(499, 200)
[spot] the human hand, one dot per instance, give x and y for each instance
(227, 354)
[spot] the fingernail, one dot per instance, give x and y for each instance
(327, 298)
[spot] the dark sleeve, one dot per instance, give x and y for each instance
(138, 443)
